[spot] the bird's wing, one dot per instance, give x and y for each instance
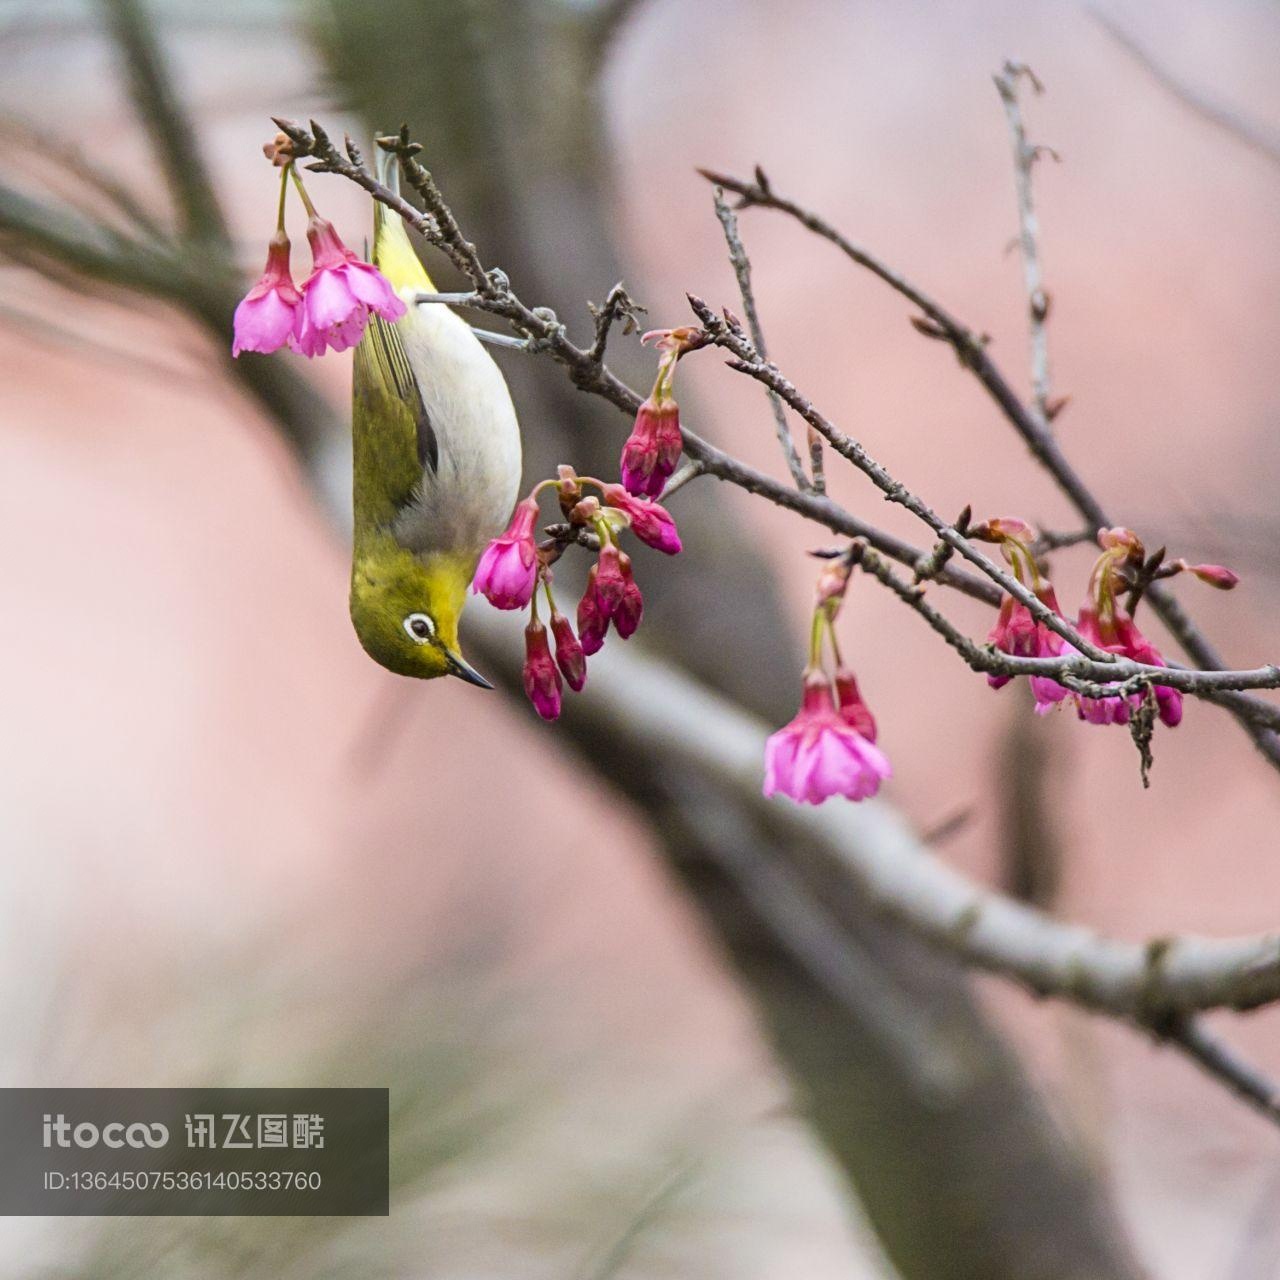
(394, 442)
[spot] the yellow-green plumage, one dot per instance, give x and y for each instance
(436, 470)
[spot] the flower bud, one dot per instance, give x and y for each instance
(651, 523)
(833, 581)
(1216, 575)
(593, 621)
(568, 490)
(609, 581)
(541, 679)
(653, 448)
(570, 657)
(584, 512)
(630, 609)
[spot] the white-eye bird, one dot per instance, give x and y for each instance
(436, 469)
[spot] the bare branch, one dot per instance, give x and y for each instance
(1024, 159)
(1253, 713)
(742, 270)
(1226, 1066)
(163, 115)
(1249, 132)
(617, 306)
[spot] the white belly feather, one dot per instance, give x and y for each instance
(469, 497)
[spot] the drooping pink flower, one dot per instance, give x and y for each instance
(1017, 633)
(570, 657)
(340, 294)
(508, 570)
(653, 448)
(651, 523)
(1106, 623)
(269, 315)
(541, 677)
(611, 596)
(820, 754)
(851, 706)
(1116, 632)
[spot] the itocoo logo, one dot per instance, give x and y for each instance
(58, 1131)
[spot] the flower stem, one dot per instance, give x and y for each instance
(302, 191)
(284, 191)
(815, 639)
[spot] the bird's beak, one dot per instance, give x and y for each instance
(460, 667)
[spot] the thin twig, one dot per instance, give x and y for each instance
(1254, 714)
(1225, 1065)
(1249, 132)
(742, 270)
(618, 305)
(1024, 159)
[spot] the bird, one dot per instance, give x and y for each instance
(436, 468)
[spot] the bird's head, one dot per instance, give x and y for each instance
(406, 608)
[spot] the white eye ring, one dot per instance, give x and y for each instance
(419, 628)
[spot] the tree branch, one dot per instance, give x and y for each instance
(742, 270)
(164, 117)
(971, 351)
(1024, 159)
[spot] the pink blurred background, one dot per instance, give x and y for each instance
(184, 700)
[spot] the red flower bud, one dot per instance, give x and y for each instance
(651, 523)
(653, 448)
(626, 617)
(570, 657)
(541, 679)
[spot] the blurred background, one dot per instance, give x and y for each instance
(237, 852)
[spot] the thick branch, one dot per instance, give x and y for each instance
(670, 716)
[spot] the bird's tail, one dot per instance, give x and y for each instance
(393, 253)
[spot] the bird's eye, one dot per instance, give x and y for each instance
(419, 627)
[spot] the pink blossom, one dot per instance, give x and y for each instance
(269, 315)
(508, 569)
(541, 678)
(651, 523)
(340, 294)
(1116, 632)
(570, 657)
(653, 448)
(819, 754)
(1016, 632)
